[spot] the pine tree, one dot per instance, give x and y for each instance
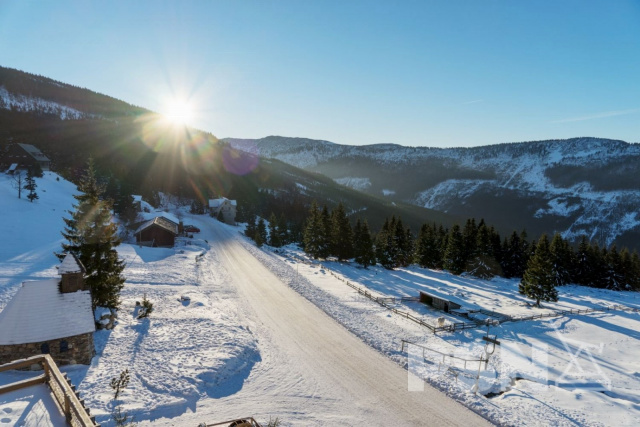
(274, 234)
(283, 230)
(325, 233)
(538, 281)
(30, 185)
(363, 245)
(261, 233)
(581, 272)
(483, 263)
(91, 236)
(250, 231)
(428, 248)
(470, 238)
(341, 234)
(454, 260)
(403, 242)
(561, 259)
(386, 249)
(313, 232)
(614, 272)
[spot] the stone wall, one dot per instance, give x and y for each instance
(79, 350)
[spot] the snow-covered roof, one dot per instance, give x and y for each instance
(161, 222)
(216, 203)
(70, 264)
(136, 197)
(39, 312)
(34, 152)
(169, 216)
(12, 167)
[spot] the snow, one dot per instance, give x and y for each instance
(388, 192)
(69, 265)
(355, 183)
(31, 406)
(39, 312)
(22, 103)
(239, 331)
(589, 362)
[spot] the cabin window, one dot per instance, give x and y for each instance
(64, 346)
(44, 348)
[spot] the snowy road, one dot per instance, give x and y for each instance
(313, 371)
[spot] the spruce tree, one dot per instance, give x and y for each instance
(561, 259)
(614, 271)
(581, 272)
(341, 234)
(283, 230)
(427, 251)
(363, 245)
(30, 185)
(313, 232)
(250, 231)
(325, 233)
(274, 234)
(483, 263)
(454, 260)
(261, 233)
(91, 236)
(538, 281)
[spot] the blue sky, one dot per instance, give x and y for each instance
(420, 73)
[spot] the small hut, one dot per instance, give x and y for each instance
(438, 302)
(157, 232)
(52, 316)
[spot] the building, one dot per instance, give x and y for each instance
(158, 231)
(438, 302)
(24, 156)
(226, 207)
(52, 316)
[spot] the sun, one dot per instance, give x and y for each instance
(178, 112)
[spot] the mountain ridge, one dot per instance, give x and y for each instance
(577, 186)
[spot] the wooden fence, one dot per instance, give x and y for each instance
(458, 326)
(64, 393)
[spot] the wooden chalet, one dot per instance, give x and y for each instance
(157, 232)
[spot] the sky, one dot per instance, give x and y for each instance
(417, 73)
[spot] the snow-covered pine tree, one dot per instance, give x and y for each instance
(92, 237)
(538, 281)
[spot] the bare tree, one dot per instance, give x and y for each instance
(18, 182)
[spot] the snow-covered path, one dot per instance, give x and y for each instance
(313, 371)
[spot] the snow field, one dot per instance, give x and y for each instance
(568, 371)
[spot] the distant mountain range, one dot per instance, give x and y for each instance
(579, 186)
(133, 147)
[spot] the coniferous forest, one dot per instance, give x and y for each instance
(476, 249)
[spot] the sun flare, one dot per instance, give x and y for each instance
(178, 112)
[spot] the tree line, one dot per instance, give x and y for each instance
(476, 249)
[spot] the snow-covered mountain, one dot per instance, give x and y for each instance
(577, 186)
